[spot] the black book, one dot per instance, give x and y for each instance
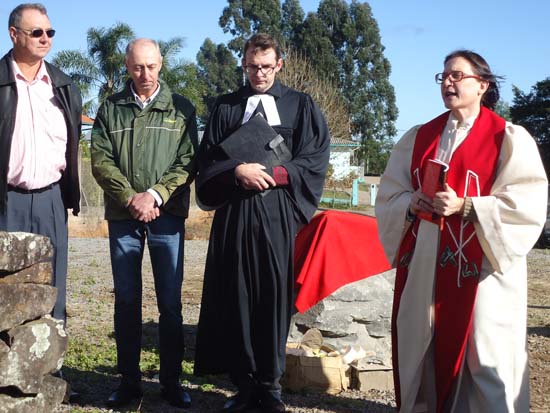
(256, 142)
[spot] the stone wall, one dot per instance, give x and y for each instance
(357, 315)
(32, 343)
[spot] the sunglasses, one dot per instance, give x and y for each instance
(37, 32)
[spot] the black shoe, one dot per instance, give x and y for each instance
(272, 404)
(176, 396)
(123, 396)
(240, 403)
(71, 396)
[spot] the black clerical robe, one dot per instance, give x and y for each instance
(248, 293)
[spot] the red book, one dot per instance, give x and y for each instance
(433, 180)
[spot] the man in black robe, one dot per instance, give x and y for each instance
(248, 295)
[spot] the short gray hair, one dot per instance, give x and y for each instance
(133, 42)
(16, 14)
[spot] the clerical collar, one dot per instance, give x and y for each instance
(269, 106)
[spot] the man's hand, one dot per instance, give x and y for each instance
(447, 203)
(252, 176)
(142, 207)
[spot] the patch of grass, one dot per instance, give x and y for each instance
(150, 361)
(207, 387)
(85, 354)
(187, 367)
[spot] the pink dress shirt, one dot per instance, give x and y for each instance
(37, 157)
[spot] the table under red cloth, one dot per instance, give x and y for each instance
(336, 248)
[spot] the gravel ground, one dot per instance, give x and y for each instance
(90, 304)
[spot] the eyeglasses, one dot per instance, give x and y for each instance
(455, 76)
(253, 69)
(38, 32)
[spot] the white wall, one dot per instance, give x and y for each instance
(340, 162)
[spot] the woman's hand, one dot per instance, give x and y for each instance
(446, 202)
(420, 202)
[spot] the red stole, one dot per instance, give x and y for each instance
(471, 173)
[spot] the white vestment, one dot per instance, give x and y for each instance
(494, 377)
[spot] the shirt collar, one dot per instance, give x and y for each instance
(42, 73)
(144, 103)
(467, 124)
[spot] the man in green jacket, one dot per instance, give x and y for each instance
(142, 156)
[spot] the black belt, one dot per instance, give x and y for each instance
(31, 191)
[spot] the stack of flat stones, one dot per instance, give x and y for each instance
(32, 343)
(357, 316)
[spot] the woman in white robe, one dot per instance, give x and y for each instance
(493, 375)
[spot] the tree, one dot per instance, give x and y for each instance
(243, 18)
(292, 19)
(376, 153)
(102, 68)
(502, 109)
(299, 74)
(315, 43)
(182, 77)
(218, 70)
(343, 43)
(532, 111)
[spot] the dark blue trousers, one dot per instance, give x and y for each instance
(43, 213)
(165, 240)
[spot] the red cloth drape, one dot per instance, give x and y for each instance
(335, 249)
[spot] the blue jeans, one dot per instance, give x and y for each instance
(165, 239)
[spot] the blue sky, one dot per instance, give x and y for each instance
(512, 35)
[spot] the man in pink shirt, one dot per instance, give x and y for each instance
(39, 131)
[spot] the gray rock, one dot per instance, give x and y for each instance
(39, 273)
(20, 250)
(356, 314)
(35, 349)
(4, 349)
(46, 400)
(22, 302)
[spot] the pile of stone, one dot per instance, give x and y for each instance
(356, 319)
(32, 343)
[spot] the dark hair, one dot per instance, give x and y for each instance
(263, 41)
(15, 16)
(481, 68)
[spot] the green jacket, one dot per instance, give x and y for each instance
(134, 150)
